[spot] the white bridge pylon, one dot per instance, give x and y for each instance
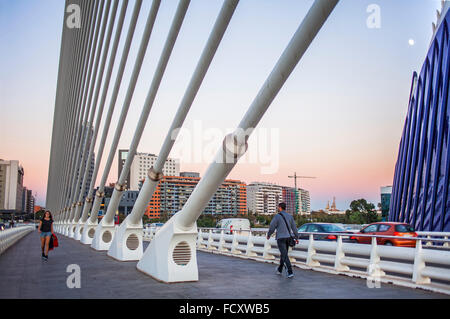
(105, 229)
(171, 255)
(135, 233)
(127, 243)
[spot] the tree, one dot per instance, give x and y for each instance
(362, 211)
(206, 221)
(300, 220)
(145, 219)
(164, 217)
(40, 214)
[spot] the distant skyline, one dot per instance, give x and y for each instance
(339, 116)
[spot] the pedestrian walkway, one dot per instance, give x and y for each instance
(24, 275)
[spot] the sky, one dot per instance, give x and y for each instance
(338, 118)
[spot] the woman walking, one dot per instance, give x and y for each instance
(46, 231)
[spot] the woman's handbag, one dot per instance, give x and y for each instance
(291, 240)
(53, 242)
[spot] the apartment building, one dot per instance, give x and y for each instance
(173, 192)
(11, 185)
(142, 162)
(263, 198)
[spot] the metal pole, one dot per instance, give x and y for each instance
(161, 67)
(90, 140)
(107, 223)
(77, 140)
(155, 174)
(100, 192)
(77, 234)
(56, 143)
(176, 240)
(234, 145)
(88, 204)
(86, 132)
(74, 91)
(134, 77)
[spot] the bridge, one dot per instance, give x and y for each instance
(25, 275)
(131, 261)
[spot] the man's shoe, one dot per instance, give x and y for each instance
(279, 271)
(291, 275)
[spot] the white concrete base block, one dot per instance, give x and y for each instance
(72, 228)
(78, 230)
(103, 236)
(88, 233)
(171, 255)
(61, 228)
(127, 242)
(65, 231)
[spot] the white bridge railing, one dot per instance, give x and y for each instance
(10, 236)
(429, 237)
(412, 267)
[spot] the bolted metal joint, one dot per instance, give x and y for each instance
(88, 200)
(120, 188)
(233, 149)
(100, 194)
(154, 176)
(79, 204)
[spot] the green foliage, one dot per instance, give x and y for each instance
(164, 217)
(301, 219)
(207, 221)
(362, 211)
(40, 214)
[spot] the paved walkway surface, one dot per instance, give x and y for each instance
(24, 275)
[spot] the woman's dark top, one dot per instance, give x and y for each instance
(46, 225)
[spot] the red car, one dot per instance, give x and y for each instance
(389, 229)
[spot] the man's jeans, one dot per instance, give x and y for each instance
(284, 259)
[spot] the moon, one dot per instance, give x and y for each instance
(411, 42)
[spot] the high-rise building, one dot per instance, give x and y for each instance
(126, 203)
(27, 201)
(305, 201)
(142, 162)
(24, 198)
(90, 168)
(11, 186)
(297, 202)
(386, 193)
(420, 192)
(263, 198)
(173, 192)
(290, 198)
(189, 174)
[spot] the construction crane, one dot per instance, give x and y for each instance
(295, 176)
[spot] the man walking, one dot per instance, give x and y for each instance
(285, 226)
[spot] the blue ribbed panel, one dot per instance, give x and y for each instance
(420, 193)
